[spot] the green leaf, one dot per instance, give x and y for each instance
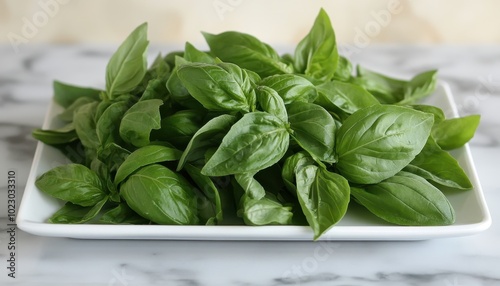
(73, 183)
(139, 120)
(439, 167)
(247, 52)
(271, 102)
(344, 97)
(68, 114)
(406, 199)
(314, 129)
(128, 65)
(160, 195)
(454, 133)
(376, 142)
(252, 188)
(323, 196)
(316, 54)
(75, 214)
(178, 92)
(265, 211)
(291, 87)
(256, 141)
(65, 94)
(434, 110)
(156, 89)
(180, 127)
(216, 88)
(85, 125)
(63, 135)
(292, 165)
(122, 214)
(210, 135)
(344, 69)
(144, 156)
(113, 154)
(192, 54)
(108, 125)
(390, 90)
(212, 208)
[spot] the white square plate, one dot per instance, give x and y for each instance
(472, 215)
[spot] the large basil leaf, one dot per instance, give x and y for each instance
(256, 141)
(439, 167)
(128, 65)
(454, 133)
(314, 129)
(323, 197)
(216, 88)
(271, 102)
(376, 142)
(65, 94)
(291, 87)
(247, 52)
(139, 120)
(265, 211)
(316, 54)
(210, 134)
(406, 199)
(73, 183)
(160, 195)
(63, 135)
(345, 97)
(211, 208)
(144, 156)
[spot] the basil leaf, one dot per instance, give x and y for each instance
(144, 156)
(292, 165)
(252, 188)
(212, 208)
(210, 134)
(108, 125)
(265, 211)
(256, 141)
(179, 128)
(156, 89)
(454, 133)
(323, 197)
(439, 167)
(316, 54)
(314, 129)
(434, 110)
(406, 199)
(73, 183)
(160, 195)
(122, 214)
(65, 94)
(65, 134)
(224, 87)
(247, 52)
(139, 120)
(390, 90)
(85, 125)
(68, 114)
(344, 69)
(113, 154)
(271, 102)
(178, 92)
(291, 87)
(128, 65)
(75, 214)
(344, 97)
(192, 54)
(376, 142)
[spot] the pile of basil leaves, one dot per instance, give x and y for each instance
(240, 134)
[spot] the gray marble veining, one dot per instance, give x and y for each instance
(25, 89)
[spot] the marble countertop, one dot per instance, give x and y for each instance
(25, 90)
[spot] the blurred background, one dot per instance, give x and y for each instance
(280, 22)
